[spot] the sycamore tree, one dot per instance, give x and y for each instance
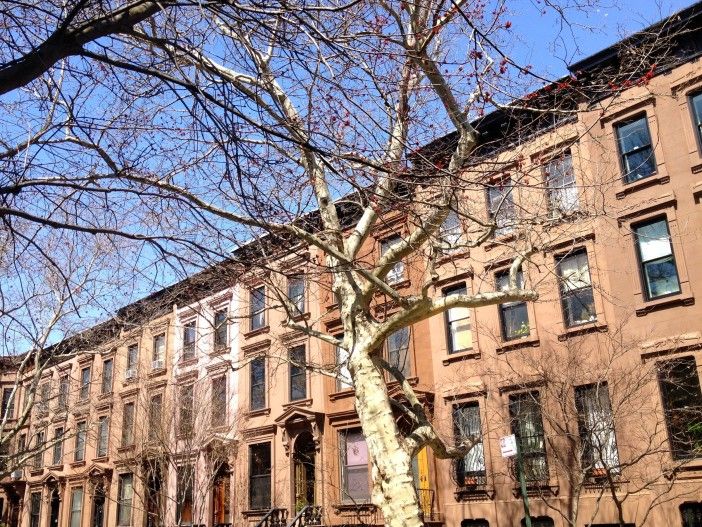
(190, 129)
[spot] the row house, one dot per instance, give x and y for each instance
(207, 405)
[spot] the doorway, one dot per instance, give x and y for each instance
(98, 507)
(304, 471)
(54, 510)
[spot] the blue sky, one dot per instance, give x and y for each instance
(549, 45)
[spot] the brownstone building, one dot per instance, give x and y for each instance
(197, 407)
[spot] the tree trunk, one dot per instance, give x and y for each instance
(393, 484)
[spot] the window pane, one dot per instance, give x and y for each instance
(343, 379)
(258, 384)
(76, 506)
(355, 482)
(220, 328)
(599, 444)
(260, 476)
(398, 350)
(560, 180)
(103, 435)
(656, 254)
(501, 206)
(450, 232)
(691, 512)
(219, 401)
(257, 305)
(633, 135)
(159, 351)
(186, 409)
(459, 328)
(682, 403)
(396, 274)
(298, 373)
(296, 292)
(106, 377)
(124, 504)
(466, 421)
(527, 426)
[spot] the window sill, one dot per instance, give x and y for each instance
(649, 181)
(464, 355)
(78, 464)
(257, 413)
(34, 472)
(537, 488)
(254, 513)
(343, 394)
(156, 373)
(125, 449)
(101, 459)
(583, 329)
(474, 493)
(106, 395)
(354, 507)
(259, 331)
(524, 342)
(681, 469)
(664, 303)
(55, 467)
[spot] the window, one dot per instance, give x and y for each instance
(219, 401)
(132, 359)
(155, 410)
(34, 509)
(691, 514)
(260, 476)
(635, 149)
(450, 233)
(656, 260)
(85, 384)
(257, 308)
(475, 523)
(76, 506)
(185, 423)
(458, 327)
(466, 424)
(298, 373)
(696, 106)
(39, 446)
(8, 402)
(125, 492)
(57, 455)
(527, 426)
(577, 300)
(258, 383)
(397, 273)
(596, 424)
(682, 404)
(107, 370)
(514, 317)
(81, 432)
(44, 392)
(354, 467)
(158, 354)
(184, 499)
(189, 336)
(560, 182)
(220, 329)
(296, 293)
(501, 209)
(398, 350)
(102, 436)
(128, 424)
(343, 377)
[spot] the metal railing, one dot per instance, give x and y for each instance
(309, 515)
(274, 518)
